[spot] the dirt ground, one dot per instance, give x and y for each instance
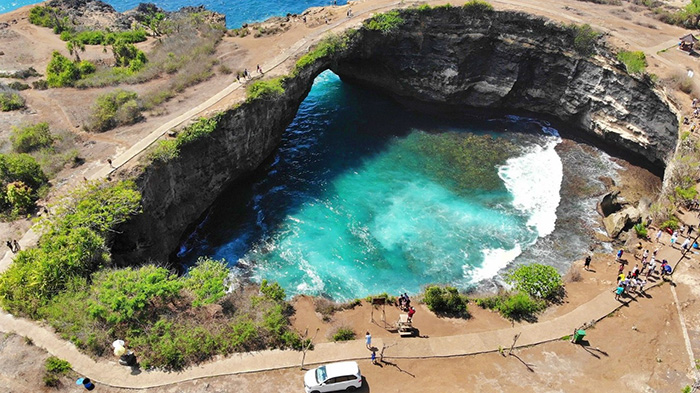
(638, 349)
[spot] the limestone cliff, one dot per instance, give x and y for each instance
(448, 57)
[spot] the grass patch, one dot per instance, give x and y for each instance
(167, 150)
(265, 89)
(342, 333)
(54, 369)
(328, 46)
(114, 109)
(514, 306)
(11, 101)
(635, 62)
(384, 23)
(477, 6)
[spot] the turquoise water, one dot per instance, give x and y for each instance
(237, 12)
(358, 201)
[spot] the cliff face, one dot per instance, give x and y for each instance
(514, 61)
(445, 57)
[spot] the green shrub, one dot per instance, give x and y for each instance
(31, 137)
(169, 149)
(343, 334)
(40, 84)
(127, 55)
(641, 230)
(19, 86)
(20, 197)
(328, 46)
(272, 291)
(672, 223)
(477, 6)
(686, 193)
(388, 298)
(207, 281)
(445, 300)
(635, 62)
(21, 167)
(10, 101)
(265, 89)
(131, 295)
(115, 109)
(536, 280)
(50, 17)
(385, 23)
(62, 71)
(56, 365)
(515, 306)
(51, 380)
(585, 39)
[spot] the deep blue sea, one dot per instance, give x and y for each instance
(237, 12)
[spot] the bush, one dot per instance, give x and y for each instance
(32, 137)
(343, 334)
(585, 39)
(635, 62)
(445, 300)
(50, 17)
(686, 194)
(10, 101)
(18, 86)
(515, 306)
(272, 291)
(328, 46)
(538, 281)
(265, 89)
(477, 6)
(62, 71)
(671, 223)
(170, 149)
(21, 167)
(127, 55)
(114, 109)
(207, 281)
(56, 365)
(385, 23)
(641, 230)
(20, 197)
(40, 84)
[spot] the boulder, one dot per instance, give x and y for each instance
(609, 204)
(618, 222)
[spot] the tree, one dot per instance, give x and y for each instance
(538, 281)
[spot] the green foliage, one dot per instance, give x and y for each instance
(169, 149)
(272, 291)
(389, 299)
(686, 193)
(538, 281)
(40, 84)
(11, 101)
(641, 230)
(635, 62)
(56, 365)
(515, 306)
(19, 86)
(328, 46)
(207, 281)
(20, 197)
(385, 23)
(585, 39)
(265, 89)
(424, 8)
(62, 71)
(445, 300)
(99, 37)
(21, 167)
(127, 55)
(73, 245)
(130, 295)
(114, 109)
(477, 6)
(31, 137)
(672, 223)
(50, 17)
(343, 334)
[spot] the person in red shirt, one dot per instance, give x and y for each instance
(411, 311)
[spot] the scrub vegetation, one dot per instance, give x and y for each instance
(384, 23)
(635, 62)
(534, 287)
(169, 149)
(445, 301)
(22, 182)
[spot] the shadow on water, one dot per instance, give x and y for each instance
(338, 128)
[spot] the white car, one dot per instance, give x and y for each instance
(333, 377)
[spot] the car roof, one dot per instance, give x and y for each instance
(342, 368)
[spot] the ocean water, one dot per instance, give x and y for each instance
(237, 12)
(364, 196)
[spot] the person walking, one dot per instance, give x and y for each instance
(685, 244)
(658, 235)
(15, 243)
(411, 311)
(368, 340)
(619, 255)
(618, 292)
(652, 266)
(645, 255)
(587, 263)
(674, 237)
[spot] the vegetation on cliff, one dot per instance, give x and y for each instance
(635, 62)
(385, 22)
(169, 149)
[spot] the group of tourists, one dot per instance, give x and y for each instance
(13, 245)
(246, 74)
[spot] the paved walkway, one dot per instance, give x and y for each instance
(110, 373)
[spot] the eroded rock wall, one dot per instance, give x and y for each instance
(445, 57)
(514, 61)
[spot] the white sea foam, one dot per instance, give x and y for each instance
(495, 259)
(534, 180)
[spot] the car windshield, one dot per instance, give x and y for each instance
(321, 374)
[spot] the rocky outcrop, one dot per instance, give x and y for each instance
(460, 60)
(445, 58)
(622, 220)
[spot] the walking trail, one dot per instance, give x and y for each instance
(110, 373)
